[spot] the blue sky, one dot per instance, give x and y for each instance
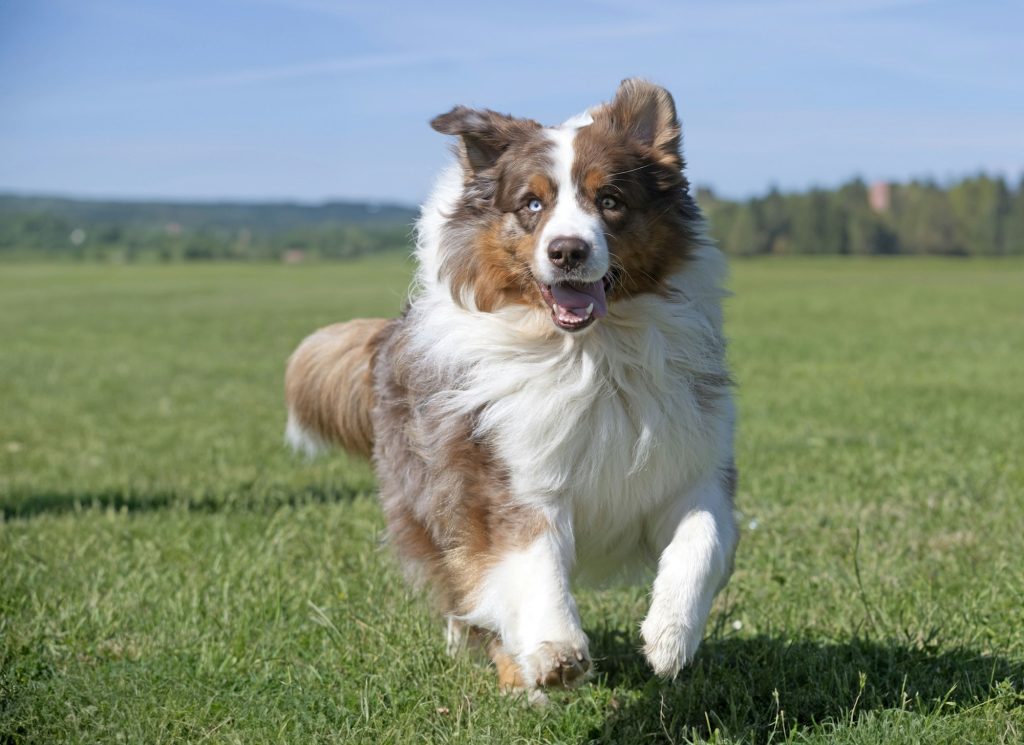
(318, 99)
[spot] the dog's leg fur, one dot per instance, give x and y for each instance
(510, 675)
(694, 566)
(525, 598)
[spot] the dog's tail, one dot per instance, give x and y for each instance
(328, 387)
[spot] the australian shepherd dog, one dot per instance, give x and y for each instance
(553, 405)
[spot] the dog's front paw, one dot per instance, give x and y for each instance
(556, 665)
(668, 644)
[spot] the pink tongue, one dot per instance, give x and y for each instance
(576, 297)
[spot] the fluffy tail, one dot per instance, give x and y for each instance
(329, 388)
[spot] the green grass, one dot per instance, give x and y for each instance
(169, 573)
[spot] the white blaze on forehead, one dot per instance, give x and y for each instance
(568, 218)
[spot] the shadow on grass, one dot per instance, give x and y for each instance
(245, 497)
(758, 688)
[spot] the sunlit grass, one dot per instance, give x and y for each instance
(169, 573)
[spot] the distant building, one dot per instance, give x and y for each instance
(293, 256)
(880, 196)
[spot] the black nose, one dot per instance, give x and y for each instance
(568, 253)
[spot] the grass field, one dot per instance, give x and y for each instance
(169, 573)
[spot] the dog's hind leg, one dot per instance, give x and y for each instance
(463, 638)
(699, 538)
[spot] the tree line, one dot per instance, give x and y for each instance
(94, 230)
(977, 216)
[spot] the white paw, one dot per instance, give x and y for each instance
(556, 664)
(668, 644)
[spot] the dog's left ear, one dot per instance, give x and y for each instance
(646, 113)
(485, 134)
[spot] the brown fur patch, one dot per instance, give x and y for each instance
(445, 496)
(329, 383)
(510, 675)
(494, 267)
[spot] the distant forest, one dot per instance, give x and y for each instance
(978, 216)
(79, 229)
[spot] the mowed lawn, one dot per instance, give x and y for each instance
(169, 573)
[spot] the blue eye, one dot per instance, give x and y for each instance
(535, 205)
(609, 203)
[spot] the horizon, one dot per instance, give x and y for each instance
(213, 201)
(211, 102)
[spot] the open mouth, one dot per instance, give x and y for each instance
(576, 305)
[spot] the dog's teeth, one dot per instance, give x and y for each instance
(590, 309)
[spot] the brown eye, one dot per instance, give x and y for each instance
(609, 203)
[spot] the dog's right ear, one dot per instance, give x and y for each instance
(646, 113)
(484, 134)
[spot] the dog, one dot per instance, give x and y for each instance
(553, 404)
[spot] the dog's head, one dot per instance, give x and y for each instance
(570, 218)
